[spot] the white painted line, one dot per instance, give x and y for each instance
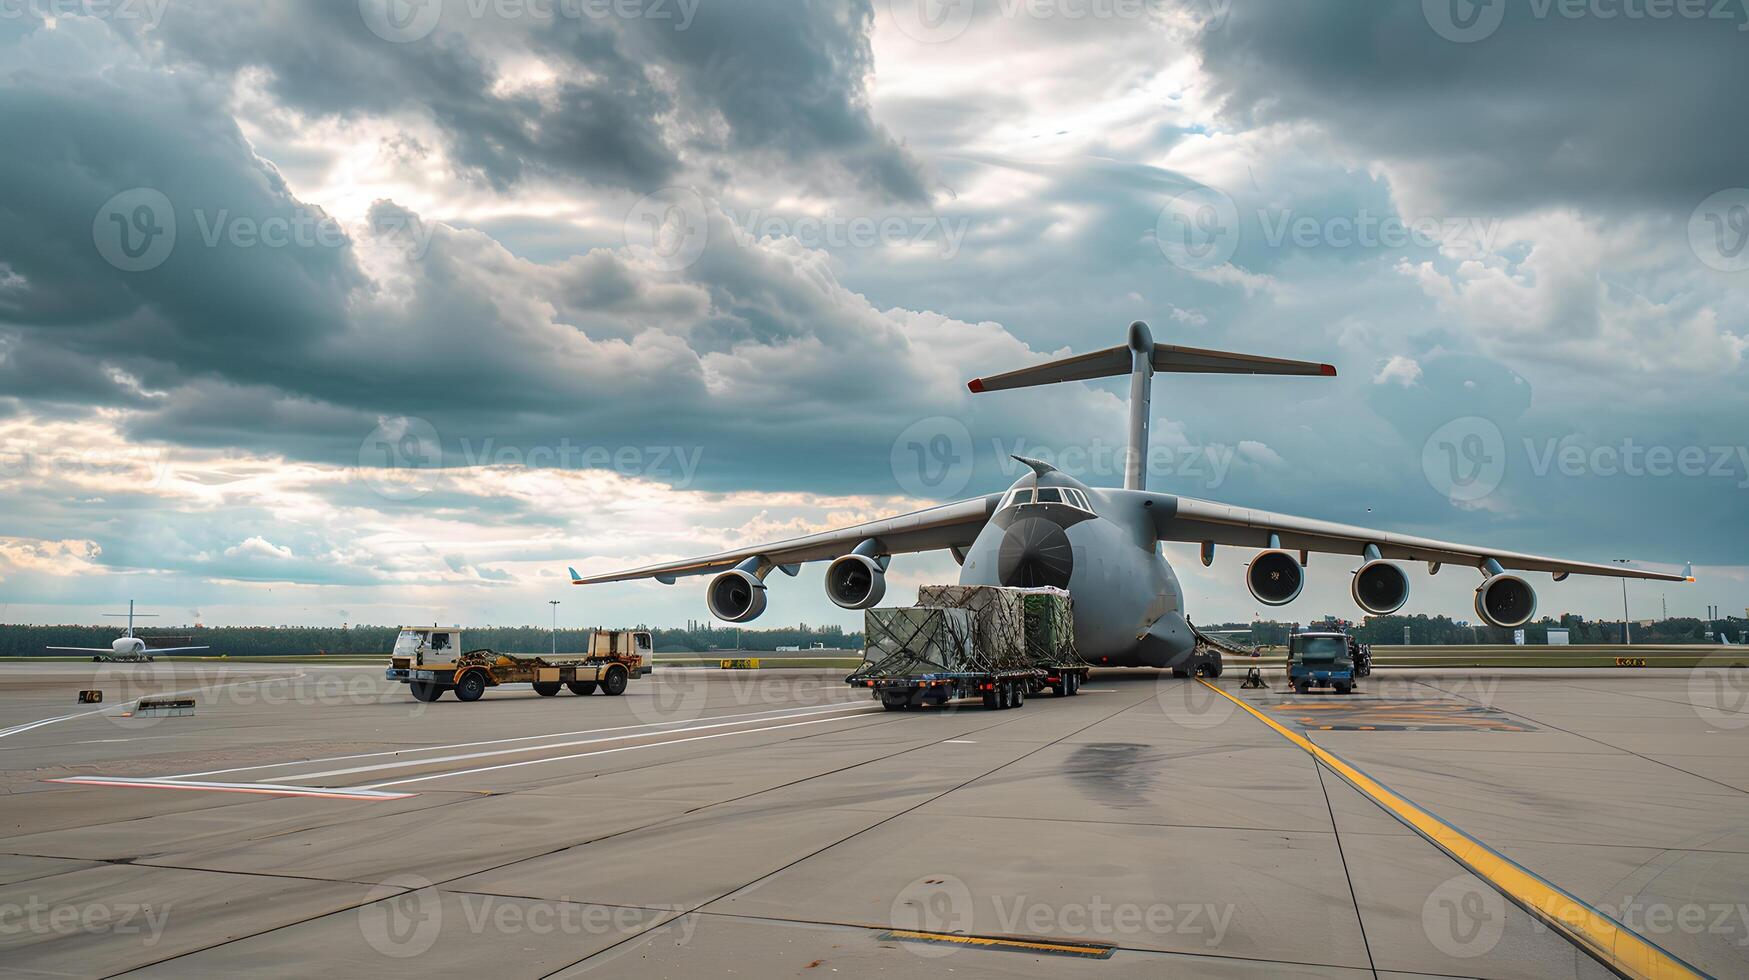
(958, 741)
(464, 757)
(121, 706)
(318, 792)
(798, 712)
(623, 748)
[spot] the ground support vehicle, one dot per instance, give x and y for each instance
(426, 660)
(1320, 656)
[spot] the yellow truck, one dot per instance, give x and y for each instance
(431, 660)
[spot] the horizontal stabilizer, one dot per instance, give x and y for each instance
(1108, 363)
(1194, 360)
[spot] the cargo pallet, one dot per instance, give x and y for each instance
(999, 691)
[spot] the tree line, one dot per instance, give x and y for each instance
(1444, 631)
(265, 641)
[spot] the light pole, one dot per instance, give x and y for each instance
(1627, 635)
(555, 604)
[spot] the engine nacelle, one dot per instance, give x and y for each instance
(855, 582)
(736, 596)
(1380, 587)
(1506, 601)
(1275, 578)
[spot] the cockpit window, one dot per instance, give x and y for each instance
(1017, 497)
(1050, 495)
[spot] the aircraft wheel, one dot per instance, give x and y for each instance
(425, 691)
(614, 684)
(581, 688)
(547, 690)
(471, 686)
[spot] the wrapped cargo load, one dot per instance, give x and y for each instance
(912, 642)
(998, 621)
(1050, 628)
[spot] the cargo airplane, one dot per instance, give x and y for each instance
(1103, 545)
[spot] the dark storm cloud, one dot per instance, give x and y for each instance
(1605, 113)
(629, 96)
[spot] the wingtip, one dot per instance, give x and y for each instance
(1327, 370)
(575, 578)
(976, 385)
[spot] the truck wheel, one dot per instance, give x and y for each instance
(1342, 688)
(895, 702)
(1020, 688)
(547, 690)
(614, 684)
(581, 688)
(1302, 687)
(991, 701)
(1180, 672)
(425, 691)
(471, 686)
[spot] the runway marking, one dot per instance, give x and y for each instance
(623, 748)
(410, 763)
(19, 729)
(1606, 940)
(260, 789)
(780, 712)
(959, 741)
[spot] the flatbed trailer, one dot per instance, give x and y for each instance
(425, 662)
(998, 690)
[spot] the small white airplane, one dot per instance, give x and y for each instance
(127, 647)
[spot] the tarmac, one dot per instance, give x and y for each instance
(316, 820)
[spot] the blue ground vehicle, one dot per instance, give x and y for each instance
(1321, 656)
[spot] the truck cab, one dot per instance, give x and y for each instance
(425, 646)
(1320, 656)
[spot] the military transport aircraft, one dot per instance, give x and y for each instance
(1103, 545)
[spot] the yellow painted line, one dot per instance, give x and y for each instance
(1608, 941)
(1088, 950)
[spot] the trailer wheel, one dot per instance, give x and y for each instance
(614, 684)
(1074, 684)
(470, 686)
(546, 690)
(425, 691)
(1019, 693)
(581, 688)
(895, 702)
(991, 702)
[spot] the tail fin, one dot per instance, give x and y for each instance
(1141, 359)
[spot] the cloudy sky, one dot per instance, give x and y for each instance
(378, 310)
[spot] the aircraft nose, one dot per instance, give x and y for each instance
(1035, 553)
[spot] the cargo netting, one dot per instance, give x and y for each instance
(1022, 628)
(913, 641)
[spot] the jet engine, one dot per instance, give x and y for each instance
(1506, 601)
(1275, 578)
(736, 596)
(1380, 587)
(856, 582)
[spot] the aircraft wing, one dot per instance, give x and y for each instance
(954, 525)
(174, 649)
(1190, 519)
(83, 649)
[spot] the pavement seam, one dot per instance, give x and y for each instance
(1347, 876)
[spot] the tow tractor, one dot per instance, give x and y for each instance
(428, 659)
(1323, 656)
